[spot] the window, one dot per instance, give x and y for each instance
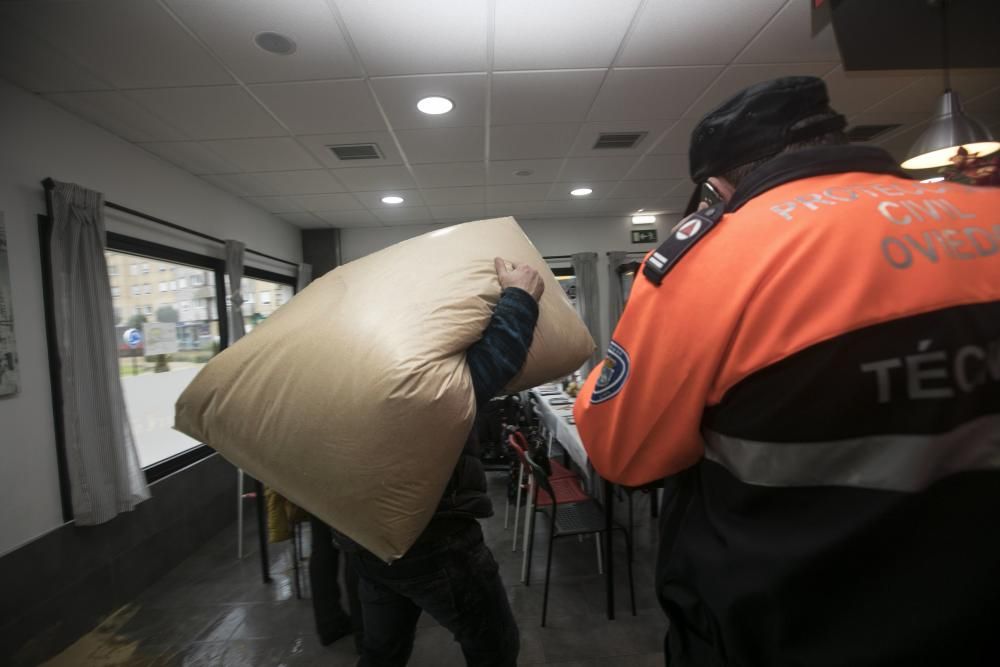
(173, 285)
(265, 298)
(116, 292)
(272, 290)
(133, 269)
(151, 384)
(182, 283)
(112, 269)
(197, 280)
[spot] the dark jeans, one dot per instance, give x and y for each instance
(324, 570)
(455, 580)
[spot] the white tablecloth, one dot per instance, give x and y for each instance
(554, 418)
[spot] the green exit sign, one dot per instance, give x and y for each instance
(643, 236)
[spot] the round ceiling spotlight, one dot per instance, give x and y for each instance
(580, 192)
(435, 106)
(275, 42)
(524, 172)
(392, 199)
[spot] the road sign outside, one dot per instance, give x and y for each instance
(132, 337)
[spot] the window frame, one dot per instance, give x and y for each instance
(156, 251)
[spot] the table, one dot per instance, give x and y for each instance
(554, 418)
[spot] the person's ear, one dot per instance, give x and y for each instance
(722, 186)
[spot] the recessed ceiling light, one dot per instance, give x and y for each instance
(275, 42)
(435, 105)
(580, 192)
(392, 199)
(643, 219)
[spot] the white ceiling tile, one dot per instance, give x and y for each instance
(459, 212)
(192, 156)
(373, 200)
(540, 97)
(737, 77)
(242, 185)
(986, 102)
(369, 179)
(404, 216)
(590, 132)
(677, 139)
(449, 174)
(399, 96)
(443, 144)
(318, 143)
(501, 172)
(596, 168)
(580, 208)
(117, 114)
(852, 92)
(31, 63)
(298, 182)
(303, 220)
(515, 208)
(656, 167)
(659, 188)
(684, 188)
(507, 193)
(674, 204)
(275, 204)
(635, 94)
(559, 34)
(272, 154)
(561, 190)
(426, 37)
(706, 32)
(362, 218)
(789, 39)
(332, 202)
(923, 95)
(899, 144)
(317, 107)
(210, 112)
(515, 142)
(228, 26)
(449, 196)
(132, 43)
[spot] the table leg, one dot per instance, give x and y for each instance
(609, 553)
(265, 559)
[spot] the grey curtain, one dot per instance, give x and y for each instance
(234, 267)
(104, 474)
(585, 269)
(616, 300)
(305, 276)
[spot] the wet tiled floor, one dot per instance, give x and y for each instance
(214, 609)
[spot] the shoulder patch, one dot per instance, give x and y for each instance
(613, 374)
(682, 238)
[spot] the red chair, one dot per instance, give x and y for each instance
(567, 483)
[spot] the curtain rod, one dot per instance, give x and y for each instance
(49, 184)
(558, 257)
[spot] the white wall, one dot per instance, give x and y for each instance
(554, 236)
(37, 140)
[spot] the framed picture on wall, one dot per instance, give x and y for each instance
(8, 350)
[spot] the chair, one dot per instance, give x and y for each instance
(519, 444)
(580, 517)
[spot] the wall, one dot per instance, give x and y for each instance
(38, 140)
(551, 236)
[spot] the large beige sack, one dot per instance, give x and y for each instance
(354, 399)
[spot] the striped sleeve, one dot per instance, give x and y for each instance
(497, 357)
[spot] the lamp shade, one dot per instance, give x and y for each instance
(950, 130)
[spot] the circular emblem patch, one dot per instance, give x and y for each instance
(614, 372)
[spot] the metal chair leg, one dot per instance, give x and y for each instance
(548, 571)
(517, 505)
(529, 539)
(239, 514)
(295, 562)
(631, 581)
(600, 562)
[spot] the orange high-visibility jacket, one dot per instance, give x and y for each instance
(824, 365)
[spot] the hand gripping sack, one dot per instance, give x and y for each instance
(354, 399)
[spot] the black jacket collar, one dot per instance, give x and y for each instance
(812, 162)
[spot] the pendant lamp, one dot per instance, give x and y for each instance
(951, 129)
